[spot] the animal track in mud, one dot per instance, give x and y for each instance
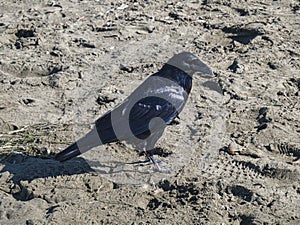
(281, 174)
(184, 194)
(240, 191)
(284, 149)
(247, 169)
(269, 171)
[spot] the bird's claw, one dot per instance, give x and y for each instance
(158, 167)
(152, 160)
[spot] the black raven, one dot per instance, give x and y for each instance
(142, 117)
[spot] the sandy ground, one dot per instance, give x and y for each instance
(65, 63)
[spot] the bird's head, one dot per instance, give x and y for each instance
(190, 64)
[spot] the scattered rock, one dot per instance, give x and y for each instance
(233, 149)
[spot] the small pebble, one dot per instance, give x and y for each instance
(233, 149)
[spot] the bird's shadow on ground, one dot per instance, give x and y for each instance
(27, 168)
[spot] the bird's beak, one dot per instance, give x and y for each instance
(202, 69)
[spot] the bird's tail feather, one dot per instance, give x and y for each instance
(89, 141)
(70, 152)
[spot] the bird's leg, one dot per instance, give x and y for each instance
(153, 160)
(150, 160)
(143, 163)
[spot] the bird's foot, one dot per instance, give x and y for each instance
(152, 160)
(158, 167)
(143, 163)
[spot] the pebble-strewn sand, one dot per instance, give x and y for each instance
(64, 63)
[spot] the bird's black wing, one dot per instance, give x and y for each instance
(155, 97)
(147, 109)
